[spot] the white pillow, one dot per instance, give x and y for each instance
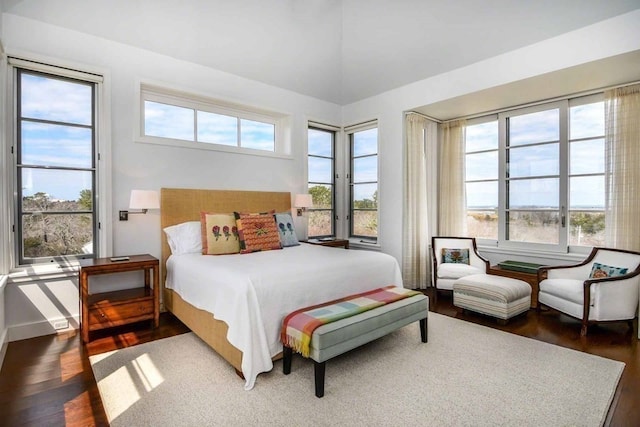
(185, 238)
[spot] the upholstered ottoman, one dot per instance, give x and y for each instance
(497, 296)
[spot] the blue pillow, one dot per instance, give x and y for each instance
(600, 271)
(284, 222)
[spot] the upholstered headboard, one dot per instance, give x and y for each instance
(178, 205)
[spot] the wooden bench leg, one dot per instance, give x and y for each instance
(318, 370)
(423, 330)
(287, 354)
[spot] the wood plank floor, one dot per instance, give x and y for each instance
(47, 381)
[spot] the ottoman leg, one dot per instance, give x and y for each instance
(287, 354)
(423, 330)
(318, 369)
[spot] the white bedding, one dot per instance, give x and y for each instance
(253, 293)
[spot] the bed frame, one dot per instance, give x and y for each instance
(180, 205)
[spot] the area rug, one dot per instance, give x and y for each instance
(466, 374)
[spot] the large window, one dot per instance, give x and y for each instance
(169, 117)
(535, 176)
(55, 167)
(363, 182)
(321, 173)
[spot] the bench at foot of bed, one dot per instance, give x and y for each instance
(335, 338)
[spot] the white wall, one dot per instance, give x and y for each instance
(607, 38)
(146, 166)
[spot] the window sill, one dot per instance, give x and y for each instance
(359, 244)
(48, 271)
(211, 147)
(553, 257)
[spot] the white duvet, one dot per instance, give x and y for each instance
(253, 293)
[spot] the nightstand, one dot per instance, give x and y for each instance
(115, 308)
(333, 242)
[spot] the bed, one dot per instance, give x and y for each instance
(236, 303)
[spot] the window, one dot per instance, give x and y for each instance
(175, 118)
(363, 182)
(321, 173)
(549, 189)
(55, 166)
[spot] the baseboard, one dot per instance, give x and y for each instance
(37, 329)
(4, 343)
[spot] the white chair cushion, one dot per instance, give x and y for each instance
(567, 289)
(456, 271)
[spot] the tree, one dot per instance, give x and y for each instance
(321, 196)
(86, 200)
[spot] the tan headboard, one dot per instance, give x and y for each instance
(178, 205)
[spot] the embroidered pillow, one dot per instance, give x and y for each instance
(455, 256)
(219, 234)
(287, 231)
(257, 232)
(600, 271)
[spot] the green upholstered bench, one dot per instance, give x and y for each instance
(338, 337)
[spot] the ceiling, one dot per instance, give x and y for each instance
(340, 51)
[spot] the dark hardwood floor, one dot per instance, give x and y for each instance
(47, 381)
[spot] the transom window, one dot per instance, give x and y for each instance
(535, 176)
(175, 118)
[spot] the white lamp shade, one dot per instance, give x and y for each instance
(144, 199)
(303, 201)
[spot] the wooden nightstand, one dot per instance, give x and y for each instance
(115, 308)
(334, 242)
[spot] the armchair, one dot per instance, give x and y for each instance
(445, 273)
(592, 294)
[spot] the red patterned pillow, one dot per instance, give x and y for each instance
(257, 232)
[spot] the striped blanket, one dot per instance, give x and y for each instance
(298, 326)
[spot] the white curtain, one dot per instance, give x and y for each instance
(622, 167)
(452, 198)
(419, 188)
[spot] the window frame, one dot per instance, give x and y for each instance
(180, 98)
(334, 133)
(101, 158)
(349, 133)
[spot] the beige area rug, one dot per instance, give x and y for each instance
(465, 375)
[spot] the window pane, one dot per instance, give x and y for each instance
(168, 121)
(53, 188)
(536, 160)
(320, 143)
(482, 195)
(58, 100)
(586, 121)
(533, 226)
(482, 137)
(320, 223)
(320, 170)
(53, 235)
(257, 135)
(365, 142)
(365, 169)
(56, 145)
(586, 192)
(587, 228)
(483, 224)
(365, 196)
(529, 193)
(481, 166)
(217, 129)
(322, 196)
(365, 223)
(586, 156)
(534, 127)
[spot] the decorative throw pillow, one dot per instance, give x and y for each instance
(257, 232)
(287, 231)
(600, 271)
(219, 234)
(455, 256)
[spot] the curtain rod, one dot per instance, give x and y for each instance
(530, 104)
(406, 113)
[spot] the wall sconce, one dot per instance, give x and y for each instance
(302, 202)
(143, 200)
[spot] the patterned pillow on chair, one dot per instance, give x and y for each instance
(455, 256)
(600, 271)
